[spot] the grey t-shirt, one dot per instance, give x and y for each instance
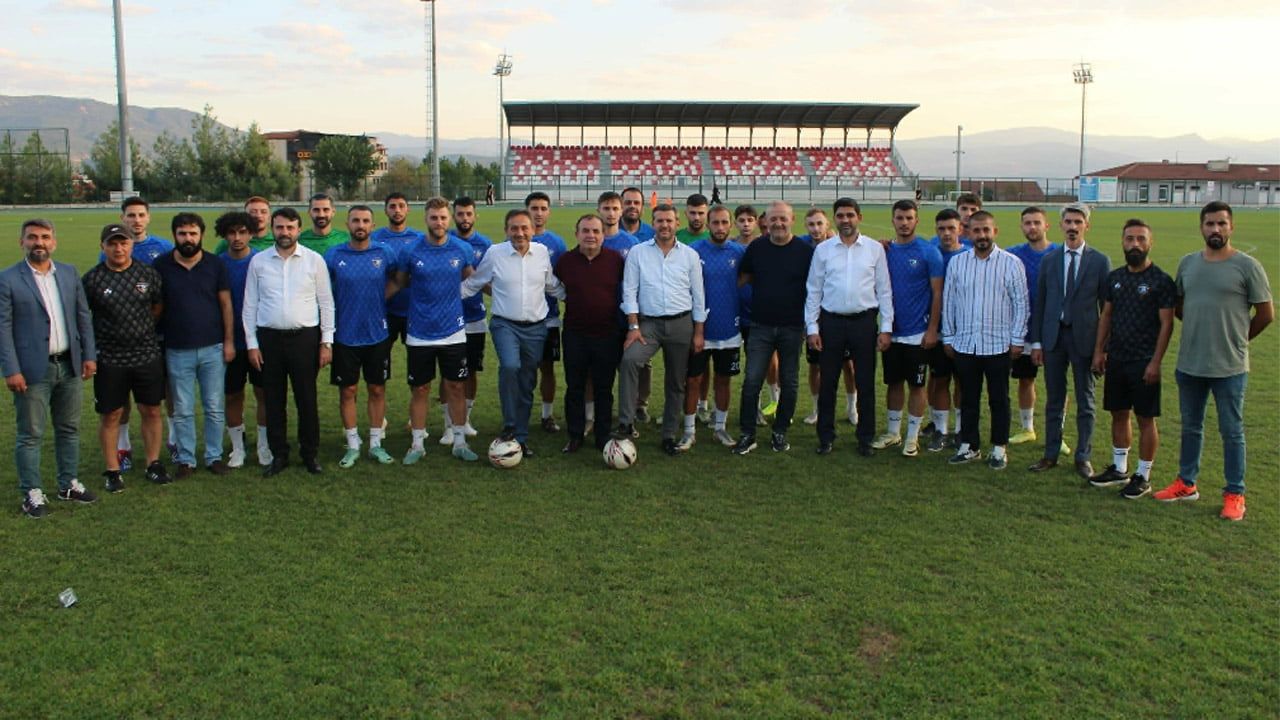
(1216, 297)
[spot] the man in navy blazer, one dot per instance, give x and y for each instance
(46, 351)
(1063, 325)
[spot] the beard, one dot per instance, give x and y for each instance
(1135, 258)
(188, 250)
(1215, 241)
(464, 227)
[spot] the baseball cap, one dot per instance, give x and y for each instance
(114, 230)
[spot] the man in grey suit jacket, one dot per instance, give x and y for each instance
(1063, 325)
(46, 351)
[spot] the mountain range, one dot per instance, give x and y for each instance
(1031, 152)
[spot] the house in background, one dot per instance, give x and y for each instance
(296, 148)
(1166, 183)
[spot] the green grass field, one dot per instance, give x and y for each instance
(702, 586)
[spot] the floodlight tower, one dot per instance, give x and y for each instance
(433, 106)
(1083, 75)
(122, 104)
(502, 70)
(959, 152)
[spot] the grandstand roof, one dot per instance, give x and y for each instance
(705, 114)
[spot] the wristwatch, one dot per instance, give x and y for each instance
(326, 346)
(633, 326)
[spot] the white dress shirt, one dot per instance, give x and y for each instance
(287, 293)
(47, 284)
(658, 284)
(519, 283)
(985, 305)
(848, 279)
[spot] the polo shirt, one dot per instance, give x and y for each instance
(591, 288)
(192, 314)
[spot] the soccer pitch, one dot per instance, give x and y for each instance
(701, 586)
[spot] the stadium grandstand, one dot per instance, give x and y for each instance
(746, 150)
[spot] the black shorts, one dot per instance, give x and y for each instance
(397, 328)
(727, 362)
(451, 358)
(1023, 367)
(349, 361)
(475, 351)
(112, 384)
(1125, 390)
(905, 363)
(940, 365)
(551, 348)
(237, 370)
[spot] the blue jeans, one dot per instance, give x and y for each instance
(519, 349)
(57, 394)
(186, 368)
(1228, 398)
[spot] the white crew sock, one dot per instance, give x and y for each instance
(895, 422)
(237, 438)
(689, 423)
(997, 452)
(775, 392)
(419, 437)
(375, 437)
(262, 436)
(721, 416)
(702, 405)
(122, 438)
(546, 409)
(470, 404)
(353, 438)
(1120, 457)
(459, 437)
(940, 418)
(591, 411)
(1144, 468)
(955, 420)
(851, 403)
(1028, 418)
(815, 402)
(444, 411)
(913, 426)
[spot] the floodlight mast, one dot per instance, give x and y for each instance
(1082, 74)
(959, 152)
(433, 107)
(502, 70)
(122, 104)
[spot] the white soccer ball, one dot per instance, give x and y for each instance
(620, 453)
(505, 453)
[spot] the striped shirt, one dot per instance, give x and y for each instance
(985, 303)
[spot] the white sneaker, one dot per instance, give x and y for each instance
(686, 441)
(236, 459)
(886, 440)
(446, 437)
(811, 418)
(469, 431)
(724, 438)
(911, 447)
(264, 455)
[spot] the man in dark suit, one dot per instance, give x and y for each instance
(1063, 326)
(46, 350)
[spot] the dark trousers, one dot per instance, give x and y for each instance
(857, 334)
(970, 371)
(599, 357)
(763, 342)
(291, 358)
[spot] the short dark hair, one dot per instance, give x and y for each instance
(134, 200)
(665, 207)
(946, 214)
(719, 208)
(506, 221)
(608, 195)
(906, 205)
(981, 215)
(37, 222)
(355, 208)
(536, 195)
(745, 210)
(184, 219)
(968, 199)
(394, 196)
(229, 222)
(589, 216)
(316, 198)
(1033, 210)
(846, 202)
(287, 213)
(1134, 222)
(1215, 207)
(697, 200)
(463, 201)
(632, 188)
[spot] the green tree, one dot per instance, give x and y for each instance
(404, 177)
(8, 170)
(215, 148)
(103, 164)
(341, 162)
(256, 170)
(42, 175)
(175, 174)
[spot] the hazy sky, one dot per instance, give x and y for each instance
(1163, 68)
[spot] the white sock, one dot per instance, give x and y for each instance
(955, 420)
(689, 426)
(353, 438)
(775, 392)
(419, 436)
(591, 411)
(375, 437)
(702, 405)
(459, 437)
(851, 403)
(721, 416)
(444, 410)
(964, 448)
(470, 404)
(122, 438)
(913, 426)
(1144, 468)
(1120, 456)
(815, 402)
(997, 452)
(895, 422)
(262, 436)
(546, 409)
(1028, 418)
(940, 418)
(237, 438)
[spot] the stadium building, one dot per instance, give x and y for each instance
(1166, 183)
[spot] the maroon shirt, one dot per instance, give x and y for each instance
(592, 291)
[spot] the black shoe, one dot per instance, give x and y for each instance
(276, 467)
(780, 443)
(34, 504)
(76, 492)
(1137, 487)
(1110, 476)
(508, 433)
(825, 448)
(157, 474)
(623, 431)
(183, 472)
(313, 467)
(865, 450)
(669, 446)
(573, 446)
(642, 415)
(112, 481)
(745, 444)
(526, 451)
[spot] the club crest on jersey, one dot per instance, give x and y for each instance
(453, 263)
(419, 263)
(912, 262)
(142, 287)
(377, 262)
(1116, 286)
(1143, 289)
(733, 262)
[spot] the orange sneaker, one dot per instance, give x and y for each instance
(1232, 506)
(1179, 490)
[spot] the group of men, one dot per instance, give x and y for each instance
(274, 304)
